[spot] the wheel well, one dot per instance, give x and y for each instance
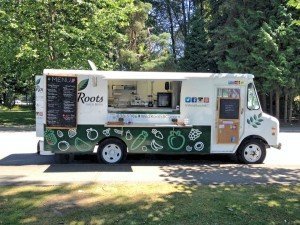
(112, 137)
(250, 137)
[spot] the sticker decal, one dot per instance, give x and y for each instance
(50, 137)
(72, 133)
(176, 140)
(106, 132)
(157, 134)
(128, 135)
(92, 134)
(141, 138)
(199, 146)
(194, 134)
(155, 146)
(59, 133)
(63, 146)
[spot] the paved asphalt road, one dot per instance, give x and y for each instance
(20, 165)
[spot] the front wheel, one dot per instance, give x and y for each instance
(111, 151)
(252, 152)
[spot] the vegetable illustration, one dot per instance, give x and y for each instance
(59, 133)
(194, 134)
(176, 140)
(156, 146)
(255, 121)
(199, 146)
(72, 133)
(106, 132)
(157, 134)
(82, 145)
(128, 135)
(120, 132)
(139, 140)
(63, 145)
(50, 137)
(188, 148)
(92, 134)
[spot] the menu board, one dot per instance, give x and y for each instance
(229, 108)
(61, 101)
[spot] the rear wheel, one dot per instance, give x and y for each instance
(252, 152)
(111, 151)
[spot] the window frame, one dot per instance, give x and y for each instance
(253, 86)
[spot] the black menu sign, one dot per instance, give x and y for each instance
(229, 108)
(61, 98)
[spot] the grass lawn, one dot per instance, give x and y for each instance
(149, 204)
(17, 116)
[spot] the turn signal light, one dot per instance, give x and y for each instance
(273, 130)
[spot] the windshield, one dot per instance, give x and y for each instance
(253, 103)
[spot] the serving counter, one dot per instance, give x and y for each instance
(161, 125)
(141, 110)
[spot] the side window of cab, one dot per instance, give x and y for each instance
(252, 99)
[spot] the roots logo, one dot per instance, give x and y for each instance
(85, 99)
(82, 84)
(38, 88)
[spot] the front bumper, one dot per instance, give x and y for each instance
(277, 146)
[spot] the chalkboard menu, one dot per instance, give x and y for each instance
(61, 98)
(229, 108)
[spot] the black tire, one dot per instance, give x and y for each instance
(38, 150)
(252, 149)
(112, 146)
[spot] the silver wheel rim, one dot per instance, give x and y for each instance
(252, 153)
(111, 153)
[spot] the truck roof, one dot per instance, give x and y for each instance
(139, 75)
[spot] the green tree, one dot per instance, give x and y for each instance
(144, 49)
(196, 46)
(59, 34)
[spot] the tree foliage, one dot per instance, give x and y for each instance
(258, 37)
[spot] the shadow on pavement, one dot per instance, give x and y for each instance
(172, 169)
(132, 159)
(230, 174)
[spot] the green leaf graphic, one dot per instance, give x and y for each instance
(38, 81)
(251, 119)
(255, 117)
(253, 125)
(82, 84)
(258, 123)
(248, 121)
(259, 115)
(260, 120)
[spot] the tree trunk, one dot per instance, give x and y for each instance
(263, 102)
(169, 12)
(291, 108)
(271, 103)
(277, 101)
(184, 18)
(286, 97)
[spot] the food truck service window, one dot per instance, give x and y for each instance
(157, 96)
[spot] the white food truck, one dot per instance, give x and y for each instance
(115, 113)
